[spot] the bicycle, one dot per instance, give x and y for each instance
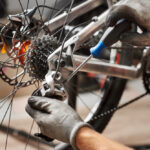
(34, 43)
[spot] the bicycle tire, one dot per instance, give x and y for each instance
(107, 100)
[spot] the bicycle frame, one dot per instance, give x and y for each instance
(94, 65)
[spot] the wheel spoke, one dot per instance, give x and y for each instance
(29, 135)
(8, 124)
(30, 30)
(65, 23)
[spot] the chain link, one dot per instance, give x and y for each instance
(12, 82)
(108, 112)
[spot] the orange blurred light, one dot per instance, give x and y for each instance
(4, 49)
(22, 51)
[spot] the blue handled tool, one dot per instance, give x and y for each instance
(111, 36)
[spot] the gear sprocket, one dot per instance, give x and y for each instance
(36, 57)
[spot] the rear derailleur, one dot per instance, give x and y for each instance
(51, 88)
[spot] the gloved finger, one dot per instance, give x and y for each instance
(119, 12)
(32, 112)
(136, 39)
(40, 103)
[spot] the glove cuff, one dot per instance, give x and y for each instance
(74, 132)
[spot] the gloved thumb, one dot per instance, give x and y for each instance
(119, 12)
(136, 39)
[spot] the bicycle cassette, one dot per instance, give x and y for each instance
(36, 57)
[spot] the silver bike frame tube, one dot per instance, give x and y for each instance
(85, 34)
(94, 65)
(77, 11)
(106, 68)
(80, 37)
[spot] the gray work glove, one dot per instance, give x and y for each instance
(136, 11)
(56, 119)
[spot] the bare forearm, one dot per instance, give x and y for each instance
(88, 139)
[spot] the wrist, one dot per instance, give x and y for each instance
(83, 135)
(74, 133)
(88, 139)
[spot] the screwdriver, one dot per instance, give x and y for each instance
(111, 36)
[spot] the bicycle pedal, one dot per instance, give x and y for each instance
(43, 137)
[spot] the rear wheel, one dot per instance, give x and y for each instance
(13, 67)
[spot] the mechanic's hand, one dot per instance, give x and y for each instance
(136, 11)
(56, 119)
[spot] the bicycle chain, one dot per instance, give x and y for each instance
(11, 82)
(108, 112)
